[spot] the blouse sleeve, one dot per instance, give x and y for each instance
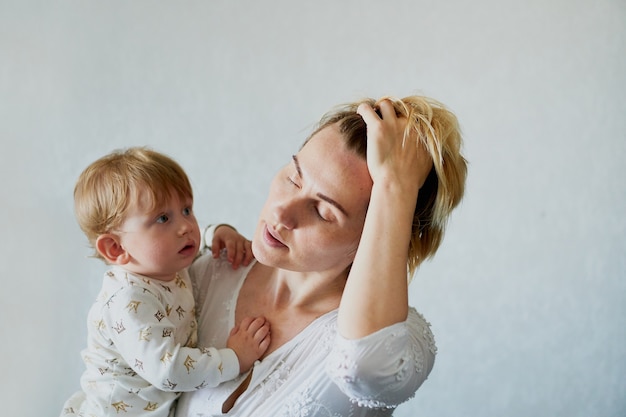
(384, 369)
(203, 265)
(200, 272)
(141, 331)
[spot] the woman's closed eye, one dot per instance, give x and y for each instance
(315, 206)
(293, 181)
(320, 215)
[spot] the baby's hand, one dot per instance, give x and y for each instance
(238, 248)
(250, 339)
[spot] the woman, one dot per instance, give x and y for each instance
(355, 212)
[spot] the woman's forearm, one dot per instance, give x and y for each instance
(376, 293)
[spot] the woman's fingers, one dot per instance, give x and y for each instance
(386, 129)
(392, 151)
(384, 137)
(366, 111)
(387, 110)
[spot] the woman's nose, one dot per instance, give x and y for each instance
(285, 214)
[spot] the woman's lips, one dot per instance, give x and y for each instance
(272, 238)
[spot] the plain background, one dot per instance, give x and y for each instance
(527, 296)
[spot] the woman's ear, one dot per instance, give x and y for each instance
(109, 247)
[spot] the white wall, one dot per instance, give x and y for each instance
(527, 296)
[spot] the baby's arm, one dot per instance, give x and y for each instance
(140, 329)
(238, 248)
(250, 339)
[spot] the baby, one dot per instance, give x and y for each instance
(135, 206)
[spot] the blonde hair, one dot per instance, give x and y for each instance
(110, 185)
(438, 130)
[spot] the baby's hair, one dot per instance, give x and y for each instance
(110, 185)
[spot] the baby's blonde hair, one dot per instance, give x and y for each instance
(438, 129)
(110, 185)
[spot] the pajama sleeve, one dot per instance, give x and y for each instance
(387, 367)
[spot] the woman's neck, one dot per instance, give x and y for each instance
(289, 289)
(289, 300)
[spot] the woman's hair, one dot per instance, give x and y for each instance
(109, 186)
(438, 129)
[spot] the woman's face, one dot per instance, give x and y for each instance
(314, 214)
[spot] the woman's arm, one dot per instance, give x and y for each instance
(376, 294)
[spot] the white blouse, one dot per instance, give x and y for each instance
(318, 372)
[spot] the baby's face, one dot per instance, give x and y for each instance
(160, 241)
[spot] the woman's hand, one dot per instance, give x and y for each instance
(393, 157)
(238, 248)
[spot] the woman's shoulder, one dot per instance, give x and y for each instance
(210, 274)
(206, 267)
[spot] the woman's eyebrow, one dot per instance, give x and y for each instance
(319, 195)
(297, 164)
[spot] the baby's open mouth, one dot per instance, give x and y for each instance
(187, 249)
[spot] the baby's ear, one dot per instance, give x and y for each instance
(109, 247)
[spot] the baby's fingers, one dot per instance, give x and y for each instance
(248, 256)
(242, 255)
(217, 245)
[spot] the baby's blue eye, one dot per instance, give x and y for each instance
(162, 219)
(186, 211)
